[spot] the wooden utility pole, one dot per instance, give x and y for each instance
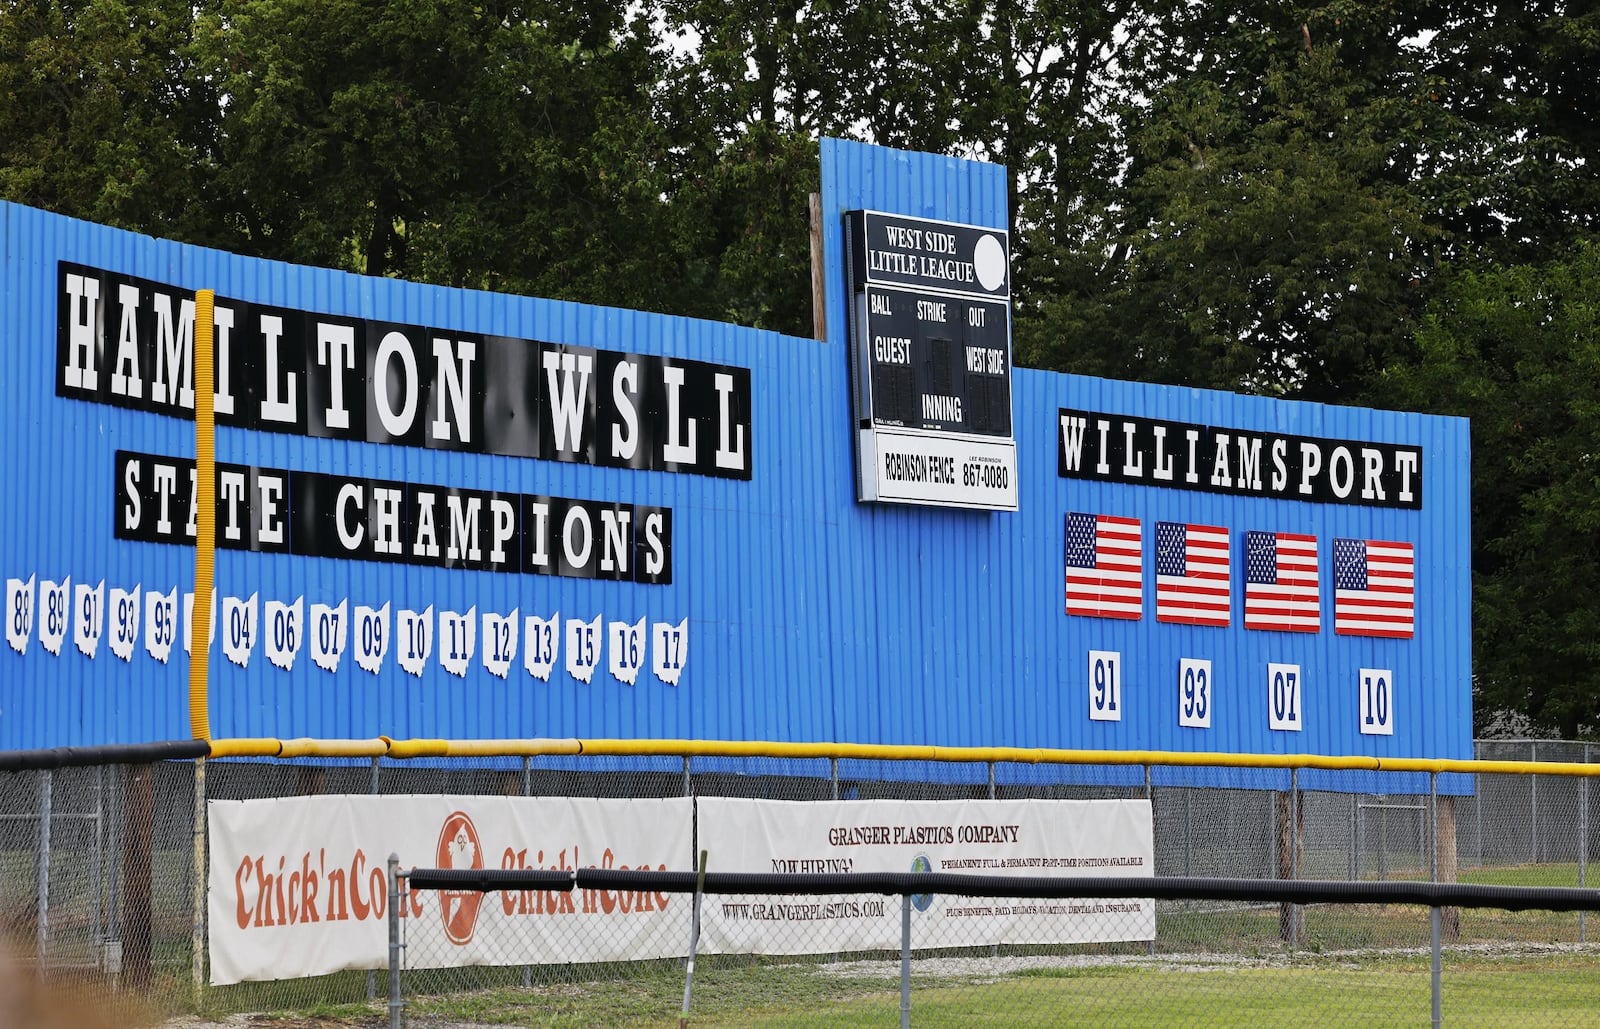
(819, 285)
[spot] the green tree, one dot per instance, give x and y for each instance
(490, 132)
(1264, 240)
(747, 103)
(1032, 85)
(1517, 349)
(1065, 80)
(565, 175)
(101, 116)
(1514, 171)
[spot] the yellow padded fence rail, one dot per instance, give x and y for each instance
(383, 746)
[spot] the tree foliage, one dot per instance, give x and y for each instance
(102, 114)
(1518, 177)
(1263, 243)
(1517, 349)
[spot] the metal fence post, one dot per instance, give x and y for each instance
(1422, 829)
(1583, 840)
(1188, 834)
(694, 936)
(1363, 840)
(905, 961)
(1533, 804)
(1353, 865)
(42, 862)
(1434, 969)
(527, 791)
(1477, 810)
(97, 871)
(396, 1003)
(1294, 851)
(1274, 837)
(994, 951)
(1149, 795)
(1383, 837)
(372, 976)
(197, 887)
(833, 775)
(115, 815)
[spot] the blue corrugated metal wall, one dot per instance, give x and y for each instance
(811, 617)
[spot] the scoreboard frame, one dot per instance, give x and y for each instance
(930, 360)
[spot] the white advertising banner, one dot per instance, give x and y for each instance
(976, 837)
(297, 886)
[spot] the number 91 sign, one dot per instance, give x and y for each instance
(1105, 685)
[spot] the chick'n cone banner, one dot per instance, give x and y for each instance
(298, 886)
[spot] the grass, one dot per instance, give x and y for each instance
(1222, 965)
(1479, 990)
(1531, 875)
(1219, 965)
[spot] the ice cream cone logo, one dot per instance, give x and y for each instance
(459, 848)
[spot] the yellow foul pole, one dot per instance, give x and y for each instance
(205, 459)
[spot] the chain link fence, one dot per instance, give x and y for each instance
(101, 886)
(1220, 961)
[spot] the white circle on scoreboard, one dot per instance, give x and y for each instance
(989, 262)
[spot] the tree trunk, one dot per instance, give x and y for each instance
(1449, 868)
(1291, 840)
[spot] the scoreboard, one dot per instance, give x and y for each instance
(930, 341)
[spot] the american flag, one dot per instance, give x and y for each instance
(1105, 566)
(1280, 582)
(1192, 574)
(1374, 588)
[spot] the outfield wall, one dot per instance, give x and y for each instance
(714, 580)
